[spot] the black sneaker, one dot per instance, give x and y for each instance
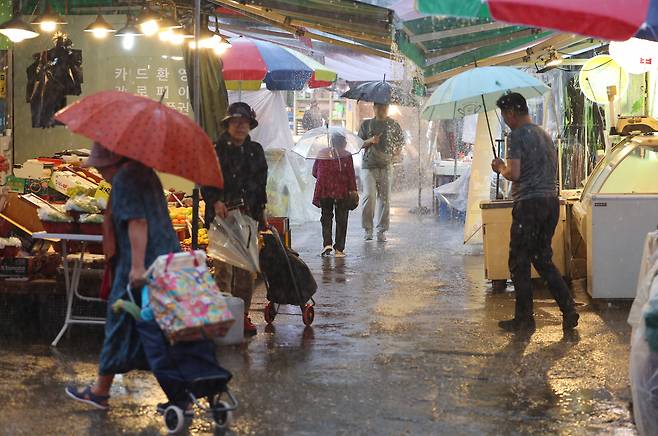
(570, 320)
(517, 325)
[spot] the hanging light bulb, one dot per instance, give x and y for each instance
(17, 30)
(177, 37)
(128, 33)
(128, 42)
(148, 21)
(99, 28)
(165, 35)
(49, 19)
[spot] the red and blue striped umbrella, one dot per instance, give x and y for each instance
(250, 62)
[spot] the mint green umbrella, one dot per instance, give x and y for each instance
(477, 90)
(454, 8)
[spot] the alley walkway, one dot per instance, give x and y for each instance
(405, 342)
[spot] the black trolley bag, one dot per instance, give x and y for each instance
(287, 277)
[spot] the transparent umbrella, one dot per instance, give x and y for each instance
(328, 143)
(234, 240)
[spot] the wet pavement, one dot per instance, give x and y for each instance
(405, 341)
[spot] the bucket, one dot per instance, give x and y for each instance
(235, 334)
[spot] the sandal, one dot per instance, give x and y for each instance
(88, 397)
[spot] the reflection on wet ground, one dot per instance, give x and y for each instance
(405, 342)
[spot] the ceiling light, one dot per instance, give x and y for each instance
(148, 21)
(128, 42)
(168, 23)
(99, 27)
(17, 30)
(176, 37)
(129, 29)
(49, 19)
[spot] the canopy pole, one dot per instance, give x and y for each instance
(196, 108)
(420, 164)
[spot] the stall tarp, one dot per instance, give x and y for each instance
(363, 68)
(273, 130)
(455, 194)
(290, 184)
(479, 188)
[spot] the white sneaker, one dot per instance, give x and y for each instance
(381, 237)
(368, 236)
(327, 250)
(339, 254)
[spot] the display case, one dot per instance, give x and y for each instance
(617, 208)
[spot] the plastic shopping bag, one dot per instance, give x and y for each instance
(186, 302)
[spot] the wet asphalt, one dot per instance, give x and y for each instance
(405, 342)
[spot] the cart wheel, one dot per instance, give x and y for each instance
(308, 314)
(222, 418)
(174, 419)
(269, 312)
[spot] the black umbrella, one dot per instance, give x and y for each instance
(381, 92)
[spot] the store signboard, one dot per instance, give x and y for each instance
(148, 67)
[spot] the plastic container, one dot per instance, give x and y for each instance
(235, 334)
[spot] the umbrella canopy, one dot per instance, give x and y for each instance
(477, 90)
(607, 19)
(251, 62)
(234, 240)
(326, 143)
(147, 131)
(381, 92)
(649, 29)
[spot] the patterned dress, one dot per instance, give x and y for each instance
(136, 194)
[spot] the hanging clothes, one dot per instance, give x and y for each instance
(53, 75)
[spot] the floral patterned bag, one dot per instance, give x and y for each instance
(186, 302)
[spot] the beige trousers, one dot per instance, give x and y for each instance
(235, 281)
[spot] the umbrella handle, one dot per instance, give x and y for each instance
(486, 115)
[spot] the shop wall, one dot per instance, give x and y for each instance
(150, 68)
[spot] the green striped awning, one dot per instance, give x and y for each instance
(454, 8)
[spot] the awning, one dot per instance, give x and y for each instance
(365, 26)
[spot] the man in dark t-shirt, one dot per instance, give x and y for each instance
(532, 168)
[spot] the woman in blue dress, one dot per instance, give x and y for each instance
(141, 230)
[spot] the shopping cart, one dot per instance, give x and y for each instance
(287, 278)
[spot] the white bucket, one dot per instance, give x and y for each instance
(235, 334)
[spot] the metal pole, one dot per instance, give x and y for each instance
(196, 107)
(420, 164)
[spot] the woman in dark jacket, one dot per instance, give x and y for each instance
(334, 171)
(245, 180)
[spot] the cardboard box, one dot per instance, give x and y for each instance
(62, 181)
(21, 214)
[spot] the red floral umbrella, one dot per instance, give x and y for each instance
(147, 131)
(607, 19)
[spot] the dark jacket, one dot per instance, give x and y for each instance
(245, 178)
(55, 73)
